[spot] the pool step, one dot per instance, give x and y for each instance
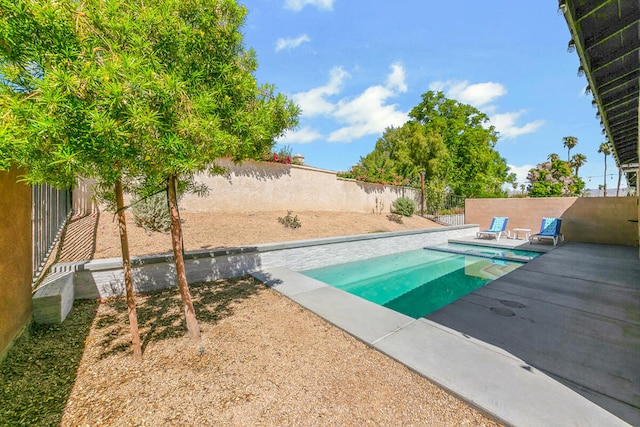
(447, 288)
(385, 287)
(505, 256)
(343, 274)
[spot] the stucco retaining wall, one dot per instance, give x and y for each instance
(104, 278)
(263, 186)
(604, 220)
(15, 264)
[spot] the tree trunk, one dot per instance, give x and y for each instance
(176, 243)
(128, 276)
(604, 186)
(619, 179)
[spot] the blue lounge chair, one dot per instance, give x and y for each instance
(497, 228)
(549, 229)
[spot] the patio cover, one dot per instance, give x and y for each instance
(606, 36)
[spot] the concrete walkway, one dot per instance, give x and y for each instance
(552, 343)
(573, 313)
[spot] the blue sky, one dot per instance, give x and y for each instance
(356, 67)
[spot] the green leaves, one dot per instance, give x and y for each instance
(448, 141)
(569, 142)
(163, 87)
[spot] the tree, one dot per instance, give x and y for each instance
(48, 101)
(522, 187)
(554, 178)
(142, 96)
(578, 160)
(401, 154)
(451, 142)
(512, 179)
(473, 167)
(553, 157)
(569, 142)
(606, 150)
(377, 168)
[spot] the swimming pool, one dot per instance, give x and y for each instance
(417, 282)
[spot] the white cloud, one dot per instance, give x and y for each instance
(304, 135)
(313, 102)
(521, 172)
(505, 123)
(480, 95)
(298, 5)
(282, 44)
(396, 78)
(367, 114)
(477, 94)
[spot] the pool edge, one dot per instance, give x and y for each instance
(521, 395)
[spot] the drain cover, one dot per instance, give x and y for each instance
(514, 304)
(502, 311)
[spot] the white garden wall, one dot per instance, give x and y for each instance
(263, 186)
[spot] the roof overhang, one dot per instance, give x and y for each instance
(606, 36)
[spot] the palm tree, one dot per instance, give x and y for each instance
(522, 187)
(553, 157)
(569, 142)
(578, 161)
(606, 150)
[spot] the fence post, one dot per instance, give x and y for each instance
(422, 193)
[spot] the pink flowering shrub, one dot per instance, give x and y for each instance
(283, 156)
(276, 158)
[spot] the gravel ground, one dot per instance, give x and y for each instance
(265, 360)
(214, 230)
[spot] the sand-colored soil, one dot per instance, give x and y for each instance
(214, 230)
(265, 361)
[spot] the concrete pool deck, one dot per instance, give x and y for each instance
(555, 342)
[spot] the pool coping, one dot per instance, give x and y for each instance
(109, 263)
(103, 278)
(487, 377)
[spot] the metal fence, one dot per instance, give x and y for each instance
(49, 212)
(444, 208)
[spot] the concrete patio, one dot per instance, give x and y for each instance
(573, 314)
(555, 342)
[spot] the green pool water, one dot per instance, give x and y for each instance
(414, 283)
